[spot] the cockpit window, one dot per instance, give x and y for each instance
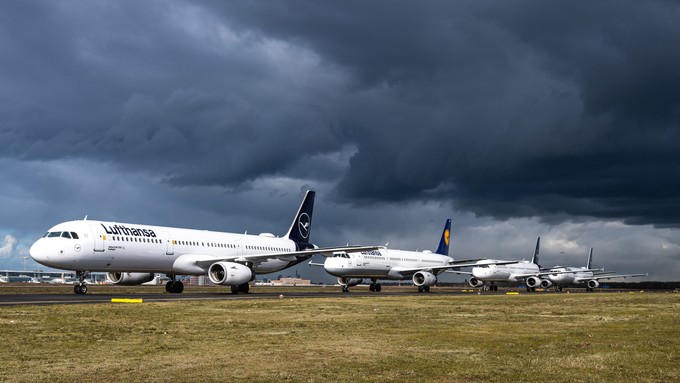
(74, 235)
(54, 234)
(66, 235)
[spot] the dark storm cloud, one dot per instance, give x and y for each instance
(508, 109)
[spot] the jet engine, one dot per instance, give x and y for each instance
(545, 283)
(129, 279)
(229, 273)
(350, 282)
(424, 278)
(474, 282)
(593, 283)
(533, 281)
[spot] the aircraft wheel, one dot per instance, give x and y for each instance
(83, 289)
(371, 287)
(234, 289)
(178, 288)
(77, 289)
(378, 287)
(244, 288)
(174, 287)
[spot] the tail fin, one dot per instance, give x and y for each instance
(443, 248)
(538, 245)
(590, 259)
(302, 224)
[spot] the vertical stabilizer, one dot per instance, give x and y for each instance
(590, 259)
(443, 248)
(302, 223)
(538, 245)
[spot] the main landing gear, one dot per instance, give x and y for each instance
(244, 288)
(174, 286)
(80, 287)
(374, 286)
(423, 289)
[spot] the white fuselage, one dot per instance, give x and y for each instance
(565, 277)
(383, 264)
(512, 272)
(112, 247)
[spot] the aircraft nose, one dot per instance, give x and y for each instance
(332, 266)
(39, 252)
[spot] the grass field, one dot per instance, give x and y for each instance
(601, 337)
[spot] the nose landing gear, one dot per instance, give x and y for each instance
(80, 287)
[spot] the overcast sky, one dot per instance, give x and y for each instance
(515, 119)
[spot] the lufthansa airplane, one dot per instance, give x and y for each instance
(131, 254)
(561, 276)
(493, 271)
(422, 267)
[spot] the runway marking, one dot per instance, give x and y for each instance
(127, 300)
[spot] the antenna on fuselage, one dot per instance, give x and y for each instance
(85, 219)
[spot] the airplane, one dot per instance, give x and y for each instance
(577, 275)
(131, 254)
(492, 271)
(421, 267)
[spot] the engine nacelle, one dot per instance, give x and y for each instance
(593, 283)
(533, 281)
(474, 282)
(129, 279)
(229, 273)
(424, 278)
(349, 282)
(545, 283)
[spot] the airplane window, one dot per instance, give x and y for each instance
(54, 234)
(74, 235)
(66, 235)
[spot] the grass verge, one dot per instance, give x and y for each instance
(445, 338)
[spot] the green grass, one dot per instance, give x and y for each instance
(598, 337)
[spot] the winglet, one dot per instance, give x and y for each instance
(443, 248)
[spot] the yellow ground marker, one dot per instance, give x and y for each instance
(126, 300)
(512, 293)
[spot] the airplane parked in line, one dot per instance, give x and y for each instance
(575, 275)
(421, 267)
(131, 254)
(493, 271)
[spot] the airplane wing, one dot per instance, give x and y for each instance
(598, 277)
(205, 262)
(455, 264)
(458, 272)
(542, 273)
